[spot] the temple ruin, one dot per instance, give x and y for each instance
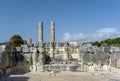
(61, 56)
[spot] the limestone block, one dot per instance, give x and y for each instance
(100, 58)
(28, 58)
(94, 67)
(25, 49)
(40, 68)
(34, 68)
(8, 70)
(4, 60)
(33, 49)
(117, 49)
(99, 49)
(20, 58)
(98, 68)
(87, 57)
(107, 49)
(111, 49)
(2, 48)
(40, 44)
(41, 59)
(29, 41)
(21, 69)
(65, 57)
(81, 67)
(59, 57)
(115, 59)
(18, 49)
(1, 72)
(36, 44)
(5, 48)
(41, 49)
(89, 49)
(71, 68)
(52, 73)
(31, 67)
(35, 58)
(68, 68)
(118, 63)
(106, 68)
(12, 60)
(84, 68)
(91, 69)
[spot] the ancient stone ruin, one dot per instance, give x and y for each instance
(60, 56)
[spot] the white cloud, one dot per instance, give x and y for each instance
(100, 34)
(107, 32)
(72, 37)
(67, 36)
(79, 36)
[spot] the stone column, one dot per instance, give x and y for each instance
(52, 40)
(65, 52)
(52, 32)
(41, 32)
(29, 41)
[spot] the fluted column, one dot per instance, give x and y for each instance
(41, 32)
(52, 39)
(52, 32)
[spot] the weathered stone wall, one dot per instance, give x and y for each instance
(98, 58)
(32, 58)
(4, 60)
(115, 60)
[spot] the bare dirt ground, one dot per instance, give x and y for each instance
(63, 76)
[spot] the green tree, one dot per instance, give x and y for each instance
(16, 40)
(111, 42)
(97, 43)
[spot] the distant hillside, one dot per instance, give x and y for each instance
(108, 42)
(7, 43)
(4, 43)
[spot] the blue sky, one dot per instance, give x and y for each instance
(81, 20)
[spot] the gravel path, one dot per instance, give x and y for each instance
(63, 76)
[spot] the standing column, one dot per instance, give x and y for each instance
(52, 32)
(29, 41)
(52, 39)
(40, 32)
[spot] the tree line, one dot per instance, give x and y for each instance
(16, 40)
(108, 42)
